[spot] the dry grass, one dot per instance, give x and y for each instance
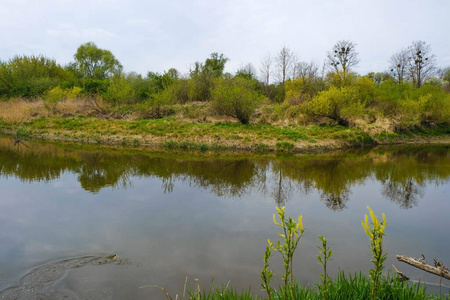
(20, 110)
(79, 106)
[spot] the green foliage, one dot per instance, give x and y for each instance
(298, 90)
(340, 79)
(119, 91)
(203, 76)
(376, 233)
(340, 105)
(96, 63)
(160, 101)
(95, 86)
(29, 76)
(275, 93)
(236, 98)
(413, 107)
(364, 89)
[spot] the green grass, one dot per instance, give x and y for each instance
(357, 286)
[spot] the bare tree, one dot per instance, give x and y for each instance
(342, 58)
(399, 65)
(283, 64)
(422, 64)
(307, 70)
(266, 69)
(294, 65)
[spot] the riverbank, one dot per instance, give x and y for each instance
(185, 134)
(193, 127)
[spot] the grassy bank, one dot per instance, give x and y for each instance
(81, 121)
(357, 286)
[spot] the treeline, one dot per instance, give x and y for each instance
(414, 92)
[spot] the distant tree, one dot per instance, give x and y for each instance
(96, 63)
(306, 84)
(203, 75)
(307, 71)
(266, 69)
(294, 66)
(379, 77)
(248, 71)
(173, 73)
(215, 64)
(399, 64)
(342, 58)
(283, 62)
(422, 64)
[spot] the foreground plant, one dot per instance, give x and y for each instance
(375, 232)
(292, 231)
(266, 274)
(323, 257)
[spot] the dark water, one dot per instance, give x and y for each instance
(65, 212)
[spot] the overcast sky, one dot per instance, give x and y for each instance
(151, 35)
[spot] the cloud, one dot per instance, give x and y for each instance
(137, 21)
(69, 31)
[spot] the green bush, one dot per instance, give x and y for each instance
(119, 91)
(338, 104)
(236, 98)
(29, 76)
(95, 86)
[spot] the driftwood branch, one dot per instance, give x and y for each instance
(403, 277)
(439, 271)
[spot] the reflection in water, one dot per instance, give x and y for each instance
(405, 194)
(403, 172)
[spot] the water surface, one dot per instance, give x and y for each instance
(169, 216)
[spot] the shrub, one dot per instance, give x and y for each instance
(337, 104)
(29, 76)
(119, 91)
(235, 98)
(95, 86)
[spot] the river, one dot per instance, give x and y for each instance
(87, 222)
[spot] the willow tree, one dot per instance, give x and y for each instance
(96, 63)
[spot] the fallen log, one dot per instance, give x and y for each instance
(441, 271)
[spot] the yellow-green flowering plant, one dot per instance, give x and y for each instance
(291, 233)
(375, 231)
